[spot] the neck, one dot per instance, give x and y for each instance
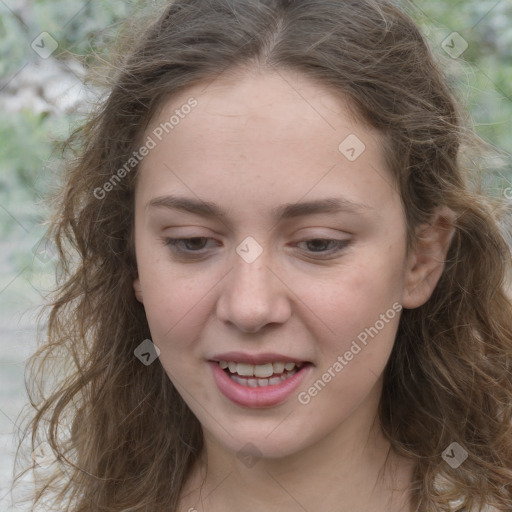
(350, 469)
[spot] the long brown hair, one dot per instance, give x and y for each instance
(449, 377)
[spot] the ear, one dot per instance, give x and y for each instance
(425, 263)
(138, 290)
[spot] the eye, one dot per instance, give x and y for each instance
(195, 247)
(327, 246)
(190, 247)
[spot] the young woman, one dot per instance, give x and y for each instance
(278, 290)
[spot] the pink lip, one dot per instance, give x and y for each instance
(267, 357)
(256, 397)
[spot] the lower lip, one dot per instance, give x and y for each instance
(266, 396)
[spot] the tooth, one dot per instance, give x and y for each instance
(238, 379)
(263, 370)
(257, 382)
(278, 367)
(246, 370)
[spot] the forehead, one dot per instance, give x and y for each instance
(275, 104)
(271, 128)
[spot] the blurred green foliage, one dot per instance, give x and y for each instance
(27, 138)
(78, 26)
(483, 73)
(28, 135)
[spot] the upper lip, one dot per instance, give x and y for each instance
(266, 357)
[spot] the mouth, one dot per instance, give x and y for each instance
(266, 384)
(260, 375)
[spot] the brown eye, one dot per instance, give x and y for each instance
(194, 244)
(324, 246)
(318, 244)
(187, 247)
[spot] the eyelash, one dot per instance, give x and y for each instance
(172, 243)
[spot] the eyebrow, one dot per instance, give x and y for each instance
(285, 211)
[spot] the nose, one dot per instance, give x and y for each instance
(253, 296)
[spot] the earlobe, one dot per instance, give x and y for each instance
(426, 262)
(138, 290)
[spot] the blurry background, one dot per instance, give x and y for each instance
(42, 97)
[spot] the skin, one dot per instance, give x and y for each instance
(258, 139)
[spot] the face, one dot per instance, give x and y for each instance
(269, 232)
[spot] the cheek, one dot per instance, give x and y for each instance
(170, 305)
(172, 293)
(167, 298)
(362, 315)
(359, 312)
(176, 311)
(358, 293)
